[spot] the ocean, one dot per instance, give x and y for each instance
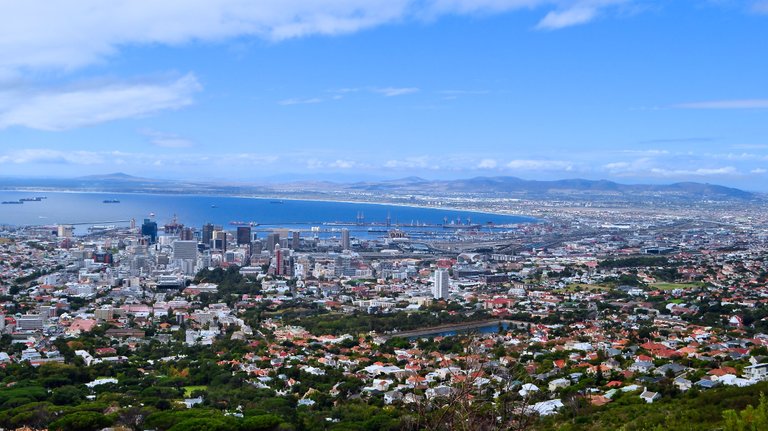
(87, 209)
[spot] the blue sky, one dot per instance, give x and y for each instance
(627, 90)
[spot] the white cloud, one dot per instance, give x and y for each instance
(49, 156)
(63, 109)
(760, 6)
(395, 91)
(420, 162)
(758, 171)
(725, 104)
(540, 165)
(750, 146)
(727, 170)
(576, 13)
(35, 34)
(566, 18)
(487, 164)
(310, 101)
(166, 140)
(314, 163)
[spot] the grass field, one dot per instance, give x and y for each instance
(188, 390)
(590, 287)
(673, 286)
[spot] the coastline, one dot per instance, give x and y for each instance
(528, 218)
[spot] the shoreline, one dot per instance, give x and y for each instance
(528, 218)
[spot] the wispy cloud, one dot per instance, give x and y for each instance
(566, 18)
(48, 156)
(51, 156)
(540, 165)
(725, 104)
(395, 91)
(677, 140)
(417, 162)
(760, 6)
(726, 170)
(577, 13)
(165, 140)
(62, 109)
(88, 31)
(750, 146)
(487, 164)
(308, 101)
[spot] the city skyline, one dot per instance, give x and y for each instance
(631, 91)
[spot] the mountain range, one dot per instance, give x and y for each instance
(496, 186)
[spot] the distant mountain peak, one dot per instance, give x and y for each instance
(113, 176)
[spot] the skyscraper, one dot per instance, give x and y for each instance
(219, 240)
(187, 234)
(441, 284)
(207, 234)
(244, 235)
(185, 250)
(278, 260)
(296, 240)
(345, 239)
(272, 240)
(149, 229)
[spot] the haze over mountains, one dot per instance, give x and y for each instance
(497, 186)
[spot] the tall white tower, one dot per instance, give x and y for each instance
(441, 284)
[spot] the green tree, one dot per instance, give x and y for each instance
(749, 419)
(81, 421)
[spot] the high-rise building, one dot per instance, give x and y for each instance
(278, 259)
(441, 284)
(65, 231)
(244, 235)
(185, 250)
(256, 247)
(149, 229)
(296, 240)
(29, 322)
(345, 239)
(207, 234)
(272, 240)
(187, 234)
(219, 241)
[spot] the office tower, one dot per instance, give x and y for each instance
(149, 229)
(65, 231)
(256, 247)
(187, 234)
(185, 250)
(207, 234)
(278, 260)
(272, 240)
(345, 239)
(29, 322)
(296, 239)
(442, 282)
(244, 235)
(219, 241)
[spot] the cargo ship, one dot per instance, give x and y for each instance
(243, 223)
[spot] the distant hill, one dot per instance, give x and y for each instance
(514, 185)
(580, 189)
